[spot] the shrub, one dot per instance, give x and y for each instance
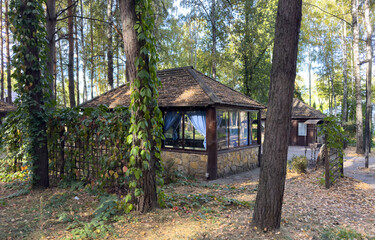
(299, 164)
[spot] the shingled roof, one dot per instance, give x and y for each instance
(302, 110)
(6, 107)
(182, 87)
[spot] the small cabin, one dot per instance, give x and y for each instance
(305, 121)
(210, 129)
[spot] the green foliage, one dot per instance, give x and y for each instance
(341, 233)
(92, 129)
(146, 120)
(335, 135)
(29, 62)
(299, 164)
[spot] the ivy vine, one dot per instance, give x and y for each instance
(29, 61)
(146, 132)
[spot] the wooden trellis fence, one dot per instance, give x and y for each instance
(333, 163)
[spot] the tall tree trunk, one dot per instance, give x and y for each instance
(9, 82)
(332, 77)
(109, 46)
(77, 60)
(309, 78)
(84, 56)
(359, 123)
(51, 53)
(92, 52)
(33, 83)
(213, 22)
(268, 205)
(345, 74)
(1, 51)
(62, 74)
(132, 47)
(72, 99)
(368, 82)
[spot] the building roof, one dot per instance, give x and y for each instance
(6, 107)
(302, 110)
(182, 87)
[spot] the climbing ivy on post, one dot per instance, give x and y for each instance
(28, 26)
(146, 118)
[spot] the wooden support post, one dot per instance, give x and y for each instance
(259, 137)
(211, 143)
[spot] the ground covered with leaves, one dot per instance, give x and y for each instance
(193, 210)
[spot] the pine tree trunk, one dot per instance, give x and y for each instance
(92, 53)
(368, 82)
(9, 82)
(109, 46)
(62, 75)
(1, 52)
(51, 52)
(36, 111)
(148, 200)
(359, 123)
(72, 99)
(268, 205)
(77, 60)
(213, 21)
(345, 74)
(84, 56)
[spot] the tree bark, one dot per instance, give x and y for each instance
(213, 22)
(147, 182)
(77, 60)
(359, 123)
(268, 205)
(51, 53)
(109, 46)
(92, 52)
(36, 111)
(71, 55)
(84, 56)
(62, 75)
(2, 51)
(9, 82)
(368, 82)
(345, 74)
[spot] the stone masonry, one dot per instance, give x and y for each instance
(189, 163)
(238, 160)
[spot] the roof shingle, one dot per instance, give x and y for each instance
(6, 107)
(182, 87)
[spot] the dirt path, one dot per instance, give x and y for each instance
(354, 167)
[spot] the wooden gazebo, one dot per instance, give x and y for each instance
(210, 129)
(5, 108)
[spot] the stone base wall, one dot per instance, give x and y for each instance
(231, 162)
(189, 163)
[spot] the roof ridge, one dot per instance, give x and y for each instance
(176, 68)
(101, 95)
(204, 87)
(230, 88)
(308, 106)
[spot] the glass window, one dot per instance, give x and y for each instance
(186, 130)
(302, 129)
(193, 139)
(234, 126)
(254, 127)
(244, 132)
(222, 130)
(173, 129)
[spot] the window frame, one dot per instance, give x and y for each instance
(299, 130)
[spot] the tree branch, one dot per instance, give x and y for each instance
(331, 14)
